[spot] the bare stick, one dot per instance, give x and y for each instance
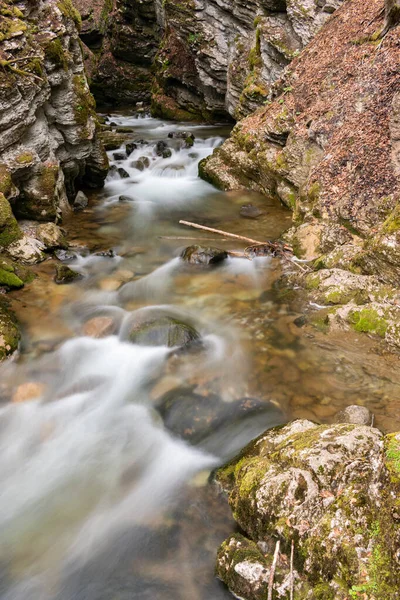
(291, 572)
(272, 571)
(193, 239)
(224, 233)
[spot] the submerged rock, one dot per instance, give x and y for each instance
(333, 490)
(163, 331)
(194, 417)
(99, 327)
(120, 156)
(199, 255)
(248, 211)
(66, 275)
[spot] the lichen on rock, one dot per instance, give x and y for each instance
(332, 490)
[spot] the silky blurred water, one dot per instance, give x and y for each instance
(104, 473)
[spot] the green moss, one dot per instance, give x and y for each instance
(24, 158)
(69, 11)
(6, 184)
(55, 53)
(9, 228)
(392, 223)
(11, 27)
(85, 104)
(9, 332)
(10, 280)
(368, 320)
(392, 452)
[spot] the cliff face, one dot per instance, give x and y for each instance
(221, 57)
(328, 147)
(210, 59)
(121, 38)
(48, 128)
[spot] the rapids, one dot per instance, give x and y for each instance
(105, 491)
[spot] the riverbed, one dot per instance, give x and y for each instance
(106, 475)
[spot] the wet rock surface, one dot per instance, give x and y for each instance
(199, 255)
(65, 275)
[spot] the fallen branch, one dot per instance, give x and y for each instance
(272, 571)
(272, 245)
(193, 239)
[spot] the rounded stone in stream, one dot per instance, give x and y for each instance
(141, 163)
(181, 135)
(66, 275)
(248, 211)
(130, 147)
(120, 156)
(200, 255)
(167, 153)
(356, 415)
(122, 173)
(80, 201)
(65, 255)
(163, 331)
(194, 417)
(161, 147)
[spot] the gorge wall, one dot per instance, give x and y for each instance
(49, 143)
(195, 59)
(327, 146)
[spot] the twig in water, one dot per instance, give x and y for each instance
(233, 235)
(272, 571)
(291, 572)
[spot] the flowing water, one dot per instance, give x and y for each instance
(105, 472)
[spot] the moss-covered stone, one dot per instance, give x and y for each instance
(369, 320)
(333, 490)
(10, 280)
(9, 229)
(9, 331)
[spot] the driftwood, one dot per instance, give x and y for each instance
(274, 246)
(272, 571)
(257, 248)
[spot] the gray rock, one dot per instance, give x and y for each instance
(81, 201)
(358, 415)
(199, 255)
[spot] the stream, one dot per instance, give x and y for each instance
(105, 474)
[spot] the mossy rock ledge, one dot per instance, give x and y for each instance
(332, 490)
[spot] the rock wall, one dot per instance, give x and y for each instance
(211, 59)
(48, 126)
(220, 57)
(328, 147)
(121, 40)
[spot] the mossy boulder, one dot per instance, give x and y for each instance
(9, 280)
(333, 491)
(65, 275)
(9, 331)
(9, 229)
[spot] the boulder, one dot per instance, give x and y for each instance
(130, 147)
(358, 415)
(10, 280)
(331, 489)
(199, 255)
(51, 236)
(160, 148)
(122, 173)
(120, 156)
(81, 201)
(141, 163)
(27, 250)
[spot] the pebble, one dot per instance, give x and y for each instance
(28, 391)
(99, 327)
